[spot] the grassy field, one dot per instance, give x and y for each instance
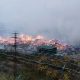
(26, 70)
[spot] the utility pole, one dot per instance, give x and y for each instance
(14, 55)
(15, 43)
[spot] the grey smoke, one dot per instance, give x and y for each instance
(59, 19)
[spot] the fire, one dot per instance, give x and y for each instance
(25, 38)
(34, 40)
(39, 37)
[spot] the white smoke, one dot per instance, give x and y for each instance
(59, 19)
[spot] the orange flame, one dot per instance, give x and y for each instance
(36, 40)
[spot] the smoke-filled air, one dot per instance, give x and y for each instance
(39, 39)
(54, 19)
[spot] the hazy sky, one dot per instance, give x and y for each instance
(58, 19)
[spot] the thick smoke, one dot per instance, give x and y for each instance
(59, 19)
